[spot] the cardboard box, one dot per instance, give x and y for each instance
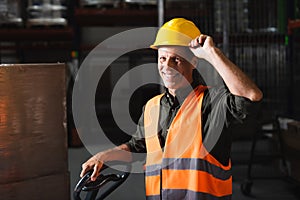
(294, 127)
(33, 138)
(293, 160)
(291, 136)
(291, 140)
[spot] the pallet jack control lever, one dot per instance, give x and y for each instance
(112, 180)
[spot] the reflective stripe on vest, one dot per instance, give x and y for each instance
(185, 170)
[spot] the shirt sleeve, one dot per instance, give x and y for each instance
(237, 108)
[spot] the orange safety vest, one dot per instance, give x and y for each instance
(184, 169)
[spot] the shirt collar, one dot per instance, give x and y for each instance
(180, 94)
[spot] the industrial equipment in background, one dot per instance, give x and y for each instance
(141, 4)
(10, 13)
(46, 13)
(99, 3)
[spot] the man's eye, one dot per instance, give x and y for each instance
(177, 59)
(162, 59)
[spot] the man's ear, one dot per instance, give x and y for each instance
(194, 61)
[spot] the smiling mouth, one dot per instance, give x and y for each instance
(170, 75)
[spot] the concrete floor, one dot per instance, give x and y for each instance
(262, 189)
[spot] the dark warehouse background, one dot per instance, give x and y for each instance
(262, 37)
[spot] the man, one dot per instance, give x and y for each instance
(186, 130)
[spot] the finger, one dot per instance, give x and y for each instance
(198, 52)
(84, 170)
(201, 39)
(194, 43)
(95, 173)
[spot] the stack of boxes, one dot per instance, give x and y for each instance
(33, 139)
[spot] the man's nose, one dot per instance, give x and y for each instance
(170, 63)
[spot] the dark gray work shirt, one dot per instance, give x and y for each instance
(220, 110)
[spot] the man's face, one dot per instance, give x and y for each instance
(174, 69)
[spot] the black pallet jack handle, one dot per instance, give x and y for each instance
(92, 187)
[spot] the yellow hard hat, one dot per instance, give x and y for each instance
(178, 32)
